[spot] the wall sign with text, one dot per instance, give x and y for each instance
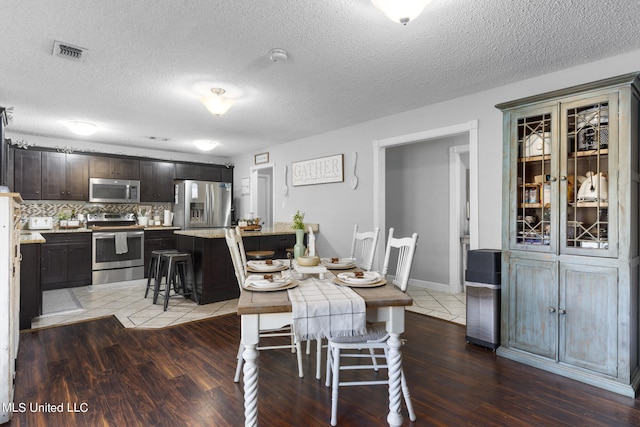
(318, 171)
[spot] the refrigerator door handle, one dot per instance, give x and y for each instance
(207, 205)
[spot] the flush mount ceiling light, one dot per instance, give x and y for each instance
(217, 104)
(205, 144)
(401, 11)
(82, 128)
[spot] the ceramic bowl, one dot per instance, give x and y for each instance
(308, 261)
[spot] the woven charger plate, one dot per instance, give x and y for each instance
(380, 282)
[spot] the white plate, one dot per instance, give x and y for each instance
(256, 265)
(259, 282)
(341, 264)
(368, 278)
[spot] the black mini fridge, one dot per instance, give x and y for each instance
(482, 281)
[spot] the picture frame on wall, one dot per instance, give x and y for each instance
(322, 170)
(261, 158)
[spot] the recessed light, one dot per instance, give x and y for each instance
(82, 128)
(205, 144)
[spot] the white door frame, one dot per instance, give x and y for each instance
(253, 197)
(379, 176)
(456, 167)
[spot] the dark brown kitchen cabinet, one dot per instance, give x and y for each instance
(155, 240)
(114, 167)
(30, 288)
(66, 260)
(278, 243)
(215, 277)
(201, 172)
(27, 173)
(65, 176)
(156, 181)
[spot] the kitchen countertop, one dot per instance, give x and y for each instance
(217, 233)
(28, 237)
(89, 230)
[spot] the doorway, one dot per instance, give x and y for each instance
(456, 224)
(261, 201)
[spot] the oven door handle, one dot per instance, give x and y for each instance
(104, 236)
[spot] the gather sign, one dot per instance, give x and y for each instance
(318, 171)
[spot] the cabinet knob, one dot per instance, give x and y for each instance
(553, 179)
(62, 193)
(563, 178)
(561, 311)
(552, 309)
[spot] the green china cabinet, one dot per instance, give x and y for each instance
(570, 233)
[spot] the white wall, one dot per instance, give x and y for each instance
(336, 207)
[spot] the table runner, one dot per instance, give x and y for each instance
(322, 309)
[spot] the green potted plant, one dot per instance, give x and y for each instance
(298, 227)
(63, 218)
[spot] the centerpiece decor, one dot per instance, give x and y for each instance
(298, 226)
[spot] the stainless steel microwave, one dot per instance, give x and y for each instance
(105, 190)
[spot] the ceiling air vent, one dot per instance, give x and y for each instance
(67, 51)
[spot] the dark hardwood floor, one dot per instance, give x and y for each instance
(183, 376)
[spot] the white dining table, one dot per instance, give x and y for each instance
(263, 310)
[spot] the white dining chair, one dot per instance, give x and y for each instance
(376, 336)
(363, 247)
(236, 249)
(363, 252)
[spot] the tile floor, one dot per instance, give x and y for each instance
(126, 301)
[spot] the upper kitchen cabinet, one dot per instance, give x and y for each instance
(156, 181)
(27, 173)
(201, 172)
(65, 176)
(571, 253)
(114, 167)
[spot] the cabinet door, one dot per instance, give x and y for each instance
(589, 177)
(27, 174)
(54, 178)
(54, 265)
(532, 314)
(533, 186)
(588, 317)
(79, 262)
(30, 290)
(125, 168)
(77, 171)
(100, 167)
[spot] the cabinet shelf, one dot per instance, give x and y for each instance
(534, 158)
(590, 205)
(588, 153)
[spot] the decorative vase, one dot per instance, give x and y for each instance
(298, 249)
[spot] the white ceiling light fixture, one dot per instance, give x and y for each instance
(277, 54)
(401, 11)
(82, 128)
(205, 144)
(217, 104)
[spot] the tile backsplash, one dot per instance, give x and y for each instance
(53, 208)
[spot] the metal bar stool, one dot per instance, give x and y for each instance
(177, 267)
(154, 268)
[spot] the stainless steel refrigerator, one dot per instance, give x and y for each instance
(202, 204)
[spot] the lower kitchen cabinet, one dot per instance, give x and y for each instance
(155, 240)
(66, 260)
(278, 243)
(215, 277)
(30, 288)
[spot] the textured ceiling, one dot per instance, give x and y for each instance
(149, 61)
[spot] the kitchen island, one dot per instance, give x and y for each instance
(214, 274)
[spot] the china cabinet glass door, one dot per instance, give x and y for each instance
(534, 223)
(589, 173)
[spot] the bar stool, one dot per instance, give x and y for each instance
(177, 267)
(154, 268)
(258, 255)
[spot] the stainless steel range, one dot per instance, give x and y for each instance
(117, 249)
